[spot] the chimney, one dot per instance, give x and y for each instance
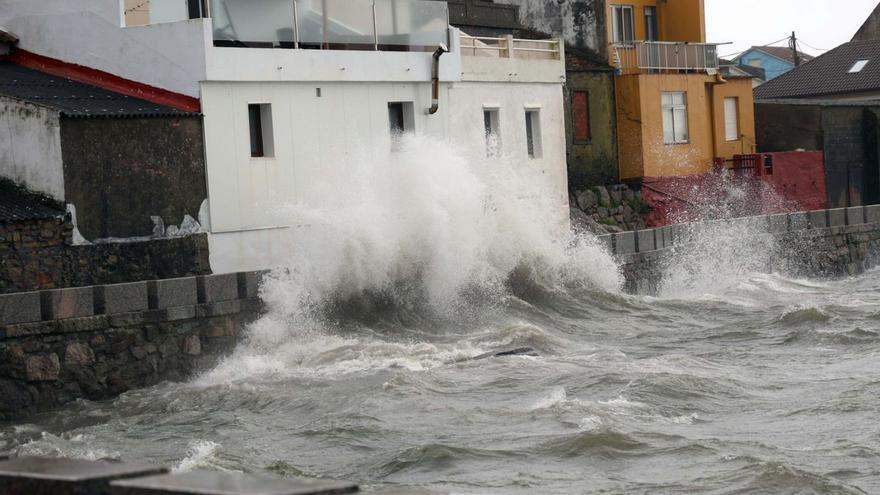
(7, 41)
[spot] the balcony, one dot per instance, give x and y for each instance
(510, 47)
(389, 25)
(659, 57)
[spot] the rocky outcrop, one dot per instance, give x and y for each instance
(608, 209)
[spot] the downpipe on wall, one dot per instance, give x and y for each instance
(435, 79)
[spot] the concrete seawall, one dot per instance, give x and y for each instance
(96, 342)
(822, 243)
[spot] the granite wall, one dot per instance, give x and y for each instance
(96, 342)
(822, 243)
(39, 254)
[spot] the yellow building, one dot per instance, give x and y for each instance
(675, 113)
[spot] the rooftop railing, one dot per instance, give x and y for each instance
(509, 47)
(640, 57)
(398, 25)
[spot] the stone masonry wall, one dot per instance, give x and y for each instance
(96, 342)
(611, 209)
(39, 254)
(822, 243)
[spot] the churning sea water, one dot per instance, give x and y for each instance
(727, 380)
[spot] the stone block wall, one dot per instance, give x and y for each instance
(604, 210)
(96, 342)
(825, 243)
(39, 254)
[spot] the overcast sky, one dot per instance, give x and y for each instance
(821, 24)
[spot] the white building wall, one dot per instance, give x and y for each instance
(466, 103)
(169, 56)
(315, 139)
(30, 147)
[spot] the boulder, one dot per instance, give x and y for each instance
(604, 197)
(43, 368)
(587, 199)
(77, 354)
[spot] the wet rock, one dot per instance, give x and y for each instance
(581, 222)
(77, 354)
(192, 345)
(519, 351)
(43, 368)
(587, 199)
(604, 197)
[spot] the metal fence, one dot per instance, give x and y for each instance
(664, 56)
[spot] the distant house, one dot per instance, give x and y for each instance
(730, 69)
(775, 60)
(119, 161)
(289, 94)
(848, 72)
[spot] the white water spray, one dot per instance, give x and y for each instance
(425, 228)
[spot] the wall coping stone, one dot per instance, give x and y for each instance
(61, 476)
(20, 307)
(224, 483)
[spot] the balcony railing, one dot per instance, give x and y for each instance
(663, 57)
(509, 47)
(399, 25)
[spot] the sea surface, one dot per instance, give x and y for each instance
(728, 378)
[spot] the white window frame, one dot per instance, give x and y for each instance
(680, 131)
(617, 17)
(731, 118)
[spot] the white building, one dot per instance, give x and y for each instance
(290, 90)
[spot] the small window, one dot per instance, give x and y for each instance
(580, 113)
(260, 117)
(400, 120)
(622, 26)
(756, 62)
(731, 118)
(675, 118)
(533, 133)
(858, 66)
(652, 31)
(492, 127)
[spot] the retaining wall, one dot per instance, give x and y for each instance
(826, 243)
(99, 341)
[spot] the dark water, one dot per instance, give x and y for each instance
(763, 384)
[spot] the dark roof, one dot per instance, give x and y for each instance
(75, 99)
(829, 74)
(782, 52)
(756, 72)
(20, 205)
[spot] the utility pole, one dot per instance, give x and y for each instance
(792, 43)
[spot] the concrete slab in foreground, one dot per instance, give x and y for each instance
(50, 476)
(219, 483)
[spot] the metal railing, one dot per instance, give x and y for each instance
(331, 24)
(664, 56)
(509, 47)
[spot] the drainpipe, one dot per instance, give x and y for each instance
(719, 79)
(435, 79)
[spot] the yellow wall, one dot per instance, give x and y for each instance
(742, 89)
(640, 130)
(679, 20)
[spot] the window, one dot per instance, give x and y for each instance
(756, 62)
(400, 121)
(580, 114)
(260, 118)
(858, 66)
(675, 118)
(622, 27)
(492, 126)
(731, 118)
(652, 33)
(533, 133)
